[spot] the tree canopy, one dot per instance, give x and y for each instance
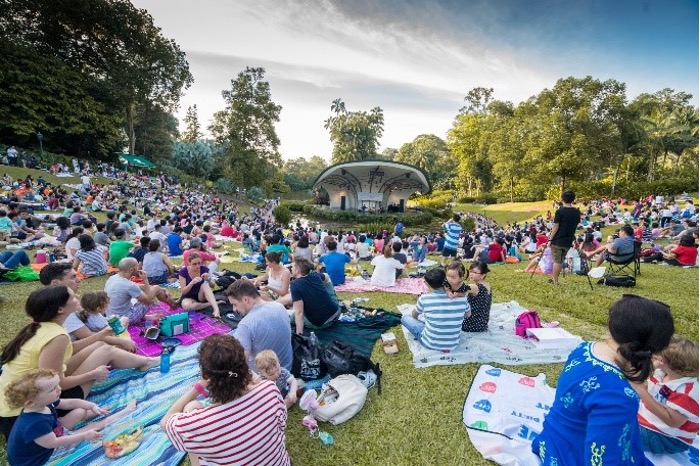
(355, 135)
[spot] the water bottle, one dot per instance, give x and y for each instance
(313, 339)
(165, 360)
(116, 324)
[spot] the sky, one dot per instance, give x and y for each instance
(418, 59)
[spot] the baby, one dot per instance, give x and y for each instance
(269, 368)
(38, 429)
(668, 414)
(94, 304)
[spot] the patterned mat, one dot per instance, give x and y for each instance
(415, 286)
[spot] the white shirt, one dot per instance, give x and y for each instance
(385, 271)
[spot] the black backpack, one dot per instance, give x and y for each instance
(623, 281)
(339, 358)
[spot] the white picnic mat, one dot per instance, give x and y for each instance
(499, 344)
(503, 411)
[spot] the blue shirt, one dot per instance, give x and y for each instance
(593, 419)
(174, 244)
(335, 266)
(452, 231)
(21, 448)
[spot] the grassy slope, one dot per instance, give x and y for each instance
(417, 419)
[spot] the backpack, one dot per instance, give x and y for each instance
(623, 281)
(226, 279)
(526, 320)
(340, 358)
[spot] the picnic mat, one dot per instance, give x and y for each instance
(499, 344)
(154, 393)
(360, 334)
(503, 411)
(414, 286)
(201, 326)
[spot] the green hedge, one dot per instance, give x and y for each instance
(418, 219)
(595, 189)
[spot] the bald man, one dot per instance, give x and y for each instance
(121, 290)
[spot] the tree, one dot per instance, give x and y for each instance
(245, 131)
(107, 41)
(477, 100)
(389, 154)
(156, 131)
(192, 128)
(429, 153)
(301, 173)
(355, 135)
(196, 158)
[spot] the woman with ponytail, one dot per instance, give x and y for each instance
(45, 344)
(594, 416)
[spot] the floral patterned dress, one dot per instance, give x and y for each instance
(593, 420)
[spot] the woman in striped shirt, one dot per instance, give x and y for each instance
(91, 258)
(242, 420)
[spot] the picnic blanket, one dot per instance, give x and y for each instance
(155, 393)
(498, 344)
(415, 286)
(503, 411)
(175, 285)
(201, 327)
(360, 334)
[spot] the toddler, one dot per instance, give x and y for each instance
(454, 280)
(668, 414)
(269, 369)
(38, 431)
(94, 304)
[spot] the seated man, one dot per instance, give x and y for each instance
(441, 327)
(335, 262)
(265, 324)
(62, 273)
(121, 290)
(620, 248)
(312, 303)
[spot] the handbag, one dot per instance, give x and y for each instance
(175, 324)
(343, 397)
(623, 281)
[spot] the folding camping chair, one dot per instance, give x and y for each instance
(631, 264)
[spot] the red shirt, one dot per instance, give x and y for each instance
(686, 255)
(542, 239)
(495, 252)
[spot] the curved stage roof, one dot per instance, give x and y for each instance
(372, 184)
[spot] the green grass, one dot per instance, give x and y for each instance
(508, 212)
(418, 417)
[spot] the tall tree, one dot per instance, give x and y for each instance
(245, 130)
(156, 132)
(192, 131)
(300, 173)
(429, 153)
(105, 40)
(355, 135)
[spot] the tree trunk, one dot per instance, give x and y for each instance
(614, 182)
(561, 185)
(652, 160)
(130, 128)
(511, 189)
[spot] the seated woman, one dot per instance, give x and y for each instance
(157, 265)
(683, 255)
(208, 259)
(594, 416)
(91, 259)
(385, 267)
(301, 250)
(479, 297)
(497, 252)
(194, 284)
(234, 397)
(277, 277)
(44, 343)
(543, 261)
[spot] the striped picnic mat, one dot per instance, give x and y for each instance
(155, 393)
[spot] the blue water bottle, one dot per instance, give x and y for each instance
(165, 360)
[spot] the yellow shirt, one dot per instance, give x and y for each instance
(28, 359)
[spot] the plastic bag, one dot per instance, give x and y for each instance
(337, 358)
(307, 357)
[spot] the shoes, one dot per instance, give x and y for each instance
(368, 378)
(551, 280)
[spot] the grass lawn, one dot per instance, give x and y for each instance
(417, 419)
(508, 212)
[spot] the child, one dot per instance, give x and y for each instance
(479, 297)
(443, 315)
(668, 414)
(38, 430)
(454, 280)
(5, 226)
(94, 304)
(269, 369)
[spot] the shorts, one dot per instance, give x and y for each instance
(559, 253)
(449, 252)
(158, 279)
(75, 393)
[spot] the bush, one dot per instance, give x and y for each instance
(282, 214)
(487, 198)
(468, 223)
(294, 206)
(255, 194)
(418, 219)
(224, 185)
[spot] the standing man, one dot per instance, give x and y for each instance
(563, 233)
(12, 156)
(452, 231)
(265, 324)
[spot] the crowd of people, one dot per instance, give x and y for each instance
(150, 221)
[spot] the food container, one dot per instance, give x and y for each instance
(152, 333)
(122, 439)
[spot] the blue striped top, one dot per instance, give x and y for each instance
(452, 231)
(443, 319)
